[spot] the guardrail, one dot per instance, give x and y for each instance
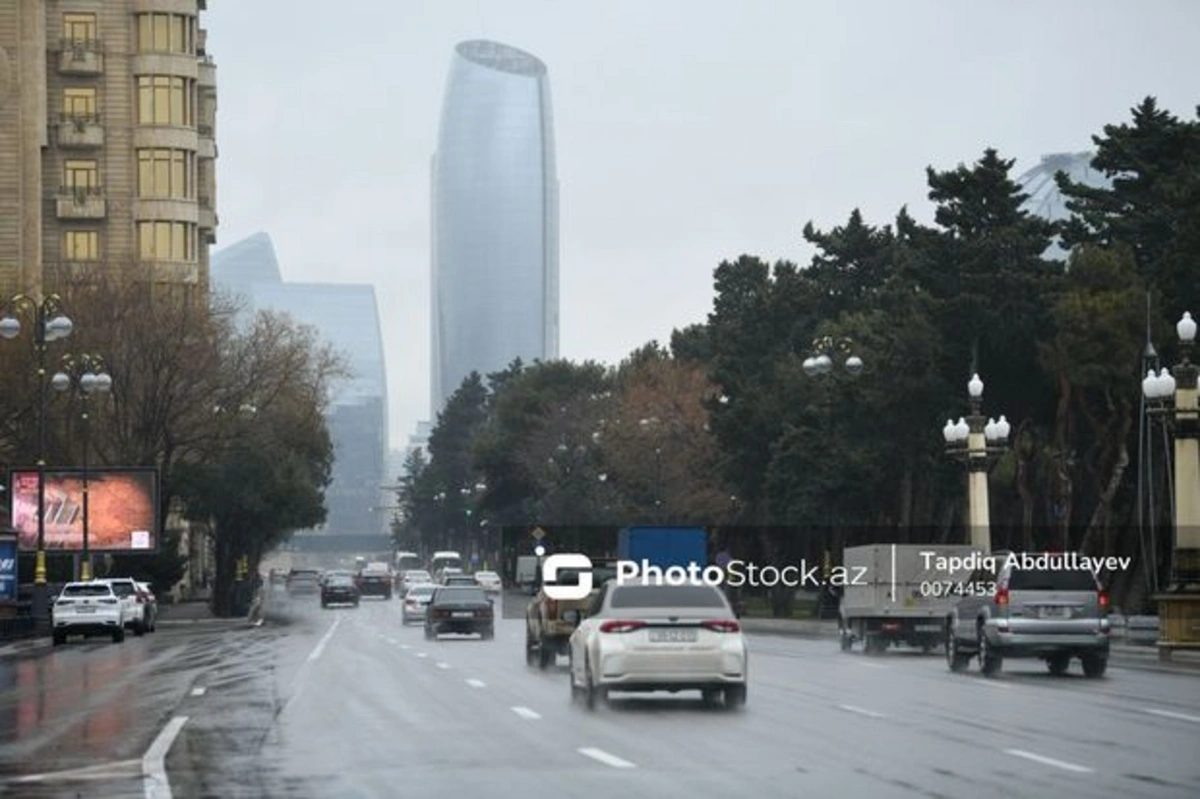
(1134, 630)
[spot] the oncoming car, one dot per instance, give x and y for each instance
(658, 638)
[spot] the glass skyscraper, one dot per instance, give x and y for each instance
(495, 218)
(345, 316)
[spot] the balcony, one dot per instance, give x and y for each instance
(208, 219)
(206, 75)
(81, 202)
(80, 131)
(80, 57)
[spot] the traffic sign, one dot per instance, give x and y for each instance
(538, 534)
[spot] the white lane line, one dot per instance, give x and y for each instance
(104, 771)
(154, 768)
(862, 711)
(1167, 714)
(320, 648)
(1049, 761)
(422, 655)
(476, 683)
(198, 691)
(604, 757)
(441, 665)
(405, 646)
(526, 713)
(392, 641)
(994, 684)
(865, 664)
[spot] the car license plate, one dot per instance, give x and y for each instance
(672, 636)
(462, 614)
(1052, 612)
(85, 609)
(928, 628)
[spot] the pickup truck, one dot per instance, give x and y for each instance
(547, 626)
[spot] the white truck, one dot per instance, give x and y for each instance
(526, 570)
(901, 593)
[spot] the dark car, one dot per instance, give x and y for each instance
(339, 589)
(375, 583)
(460, 609)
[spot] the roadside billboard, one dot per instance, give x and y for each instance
(122, 509)
(8, 567)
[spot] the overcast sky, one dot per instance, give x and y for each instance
(688, 132)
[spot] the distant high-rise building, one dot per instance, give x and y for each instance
(495, 218)
(107, 151)
(1045, 200)
(346, 316)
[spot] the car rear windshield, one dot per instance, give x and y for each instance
(422, 590)
(339, 580)
(1051, 580)
(123, 589)
(666, 596)
(87, 590)
(463, 594)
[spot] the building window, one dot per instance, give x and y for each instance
(79, 102)
(81, 245)
(165, 100)
(79, 28)
(165, 173)
(166, 241)
(81, 175)
(166, 33)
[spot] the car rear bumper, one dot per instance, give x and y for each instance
(99, 625)
(671, 669)
(1031, 644)
(339, 598)
(461, 626)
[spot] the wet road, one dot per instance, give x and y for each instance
(348, 703)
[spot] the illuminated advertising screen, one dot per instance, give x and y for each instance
(122, 509)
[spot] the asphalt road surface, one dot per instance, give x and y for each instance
(348, 703)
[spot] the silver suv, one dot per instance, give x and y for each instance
(1054, 613)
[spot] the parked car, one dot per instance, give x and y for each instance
(416, 602)
(1054, 614)
(339, 589)
(90, 608)
(460, 609)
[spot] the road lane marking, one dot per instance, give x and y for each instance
(1167, 714)
(443, 665)
(994, 684)
(862, 711)
(405, 646)
(198, 691)
(1049, 761)
(320, 648)
(604, 757)
(391, 641)
(422, 655)
(104, 771)
(526, 713)
(154, 768)
(476, 683)
(870, 665)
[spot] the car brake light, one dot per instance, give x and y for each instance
(621, 626)
(1001, 596)
(721, 625)
(108, 601)
(65, 602)
(1102, 598)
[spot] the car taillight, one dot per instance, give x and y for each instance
(412, 603)
(1001, 596)
(1102, 598)
(621, 626)
(142, 598)
(108, 601)
(721, 625)
(552, 608)
(65, 602)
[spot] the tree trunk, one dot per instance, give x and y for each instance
(1064, 488)
(224, 592)
(1101, 518)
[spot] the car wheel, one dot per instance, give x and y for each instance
(531, 654)
(576, 691)
(139, 629)
(709, 695)
(989, 661)
(60, 638)
(847, 640)
(429, 634)
(1094, 666)
(735, 696)
(545, 655)
(118, 635)
(404, 618)
(1058, 664)
(488, 633)
(955, 659)
(591, 692)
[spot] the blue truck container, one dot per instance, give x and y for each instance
(664, 546)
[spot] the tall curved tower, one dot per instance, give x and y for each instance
(495, 217)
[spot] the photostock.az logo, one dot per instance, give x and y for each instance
(579, 563)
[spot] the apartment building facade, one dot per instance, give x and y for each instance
(107, 143)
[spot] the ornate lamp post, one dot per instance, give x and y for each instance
(1179, 606)
(86, 371)
(976, 440)
(830, 351)
(49, 324)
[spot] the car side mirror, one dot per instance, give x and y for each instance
(572, 617)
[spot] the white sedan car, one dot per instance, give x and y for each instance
(90, 608)
(658, 638)
(489, 582)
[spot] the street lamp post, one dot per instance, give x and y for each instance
(976, 440)
(830, 351)
(1179, 606)
(87, 371)
(49, 324)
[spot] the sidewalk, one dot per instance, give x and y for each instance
(1141, 656)
(184, 612)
